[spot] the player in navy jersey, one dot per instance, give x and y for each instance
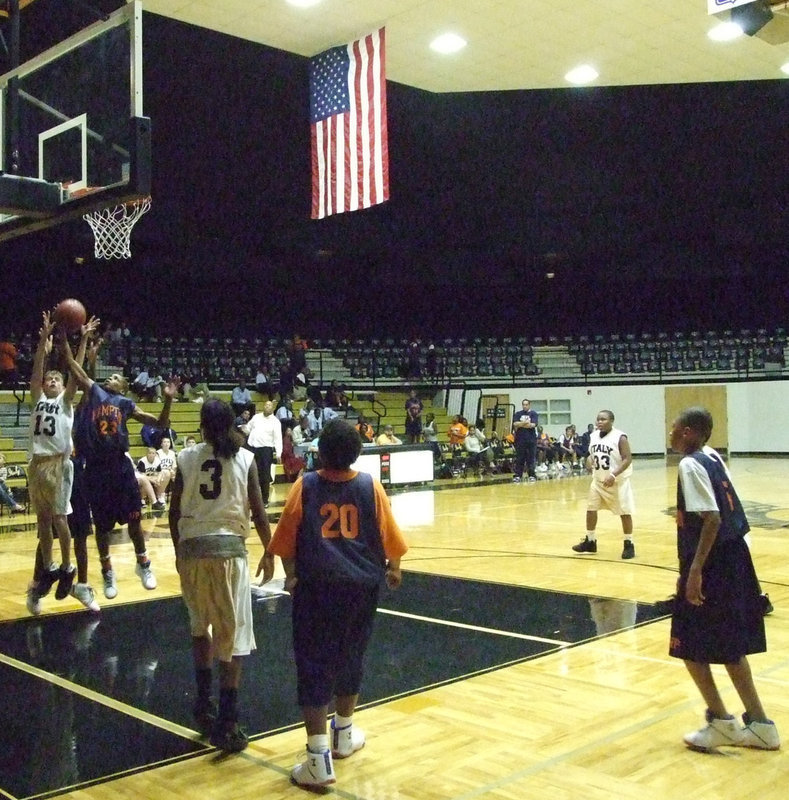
(110, 483)
(717, 616)
(338, 541)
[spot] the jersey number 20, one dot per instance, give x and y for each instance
(339, 521)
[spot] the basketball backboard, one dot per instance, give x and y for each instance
(73, 137)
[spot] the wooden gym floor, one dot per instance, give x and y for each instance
(506, 667)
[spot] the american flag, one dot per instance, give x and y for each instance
(350, 151)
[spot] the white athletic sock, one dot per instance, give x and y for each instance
(319, 743)
(591, 536)
(342, 722)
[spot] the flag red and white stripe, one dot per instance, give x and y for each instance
(350, 153)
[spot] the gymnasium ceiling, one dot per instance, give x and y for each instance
(512, 44)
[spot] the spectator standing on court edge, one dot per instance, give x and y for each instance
(524, 428)
(612, 465)
(413, 418)
(264, 439)
(338, 541)
(717, 615)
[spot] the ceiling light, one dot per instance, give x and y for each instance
(725, 32)
(581, 75)
(303, 3)
(785, 68)
(448, 43)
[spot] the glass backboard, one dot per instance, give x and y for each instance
(73, 136)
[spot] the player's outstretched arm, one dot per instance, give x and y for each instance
(87, 331)
(43, 349)
(84, 381)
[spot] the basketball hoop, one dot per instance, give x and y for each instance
(112, 227)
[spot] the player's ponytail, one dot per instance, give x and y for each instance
(217, 423)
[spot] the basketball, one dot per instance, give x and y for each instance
(70, 314)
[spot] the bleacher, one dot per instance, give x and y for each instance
(483, 361)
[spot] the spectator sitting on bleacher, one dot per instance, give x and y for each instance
(430, 435)
(301, 433)
(458, 430)
(319, 417)
(197, 391)
(284, 411)
(5, 493)
(151, 466)
(335, 396)
(8, 370)
(387, 438)
(147, 386)
(263, 384)
(242, 419)
(292, 465)
(476, 445)
(167, 457)
(147, 492)
(565, 449)
(366, 431)
(241, 398)
(545, 452)
(582, 445)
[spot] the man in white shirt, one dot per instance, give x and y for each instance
(264, 439)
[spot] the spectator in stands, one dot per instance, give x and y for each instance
(150, 466)
(241, 398)
(413, 418)
(5, 493)
(190, 441)
(387, 438)
(292, 465)
(196, 390)
(546, 454)
(284, 411)
(8, 370)
(319, 417)
(286, 379)
(565, 448)
(458, 430)
(263, 383)
(297, 357)
(301, 433)
(583, 444)
(301, 384)
(335, 396)
(366, 432)
(148, 386)
(307, 408)
(167, 459)
(147, 492)
(430, 434)
(478, 451)
(242, 419)
(496, 450)
(431, 361)
(413, 364)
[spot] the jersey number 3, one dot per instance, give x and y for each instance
(212, 489)
(339, 521)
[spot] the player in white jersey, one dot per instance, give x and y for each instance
(215, 487)
(611, 463)
(50, 472)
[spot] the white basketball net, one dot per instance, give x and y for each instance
(112, 227)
